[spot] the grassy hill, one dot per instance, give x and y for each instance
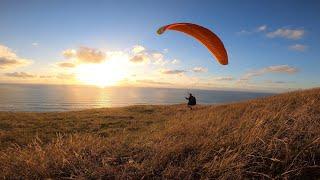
(273, 137)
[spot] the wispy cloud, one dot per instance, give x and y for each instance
(157, 56)
(280, 69)
(8, 59)
(175, 61)
(199, 69)
(22, 75)
(258, 29)
(287, 33)
(65, 76)
(281, 32)
(224, 78)
(35, 44)
(45, 76)
(66, 65)
(146, 81)
(262, 28)
(271, 69)
(244, 32)
(158, 59)
(298, 47)
(172, 71)
(11, 62)
(277, 82)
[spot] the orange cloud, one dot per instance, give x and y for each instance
(23, 75)
(66, 65)
(139, 58)
(226, 78)
(85, 55)
(8, 59)
(175, 71)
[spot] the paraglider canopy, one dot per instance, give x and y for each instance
(204, 35)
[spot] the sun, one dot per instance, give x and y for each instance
(108, 73)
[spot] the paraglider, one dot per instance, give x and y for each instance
(202, 34)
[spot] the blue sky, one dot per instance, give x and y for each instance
(282, 55)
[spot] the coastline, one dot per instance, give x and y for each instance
(260, 137)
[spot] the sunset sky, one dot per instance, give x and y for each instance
(272, 45)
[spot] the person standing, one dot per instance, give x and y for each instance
(191, 101)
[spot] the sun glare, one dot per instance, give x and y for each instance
(108, 73)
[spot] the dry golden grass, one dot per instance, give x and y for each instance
(274, 137)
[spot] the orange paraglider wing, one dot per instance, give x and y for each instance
(204, 35)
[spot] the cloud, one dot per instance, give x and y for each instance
(258, 29)
(35, 44)
(11, 62)
(138, 49)
(141, 54)
(158, 58)
(244, 32)
(226, 78)
(287, 33)
(45, 76)
(145, 81)
(271, 69)
(66, 65)
(281, 32)
(138, 54)
(89, 55)
(199, 69)
(69, 53)
(175, 71)
(8, 59)
(65, 76)
(175, 61)
(298, 47)
(280, 69)
(6, 52)
(23, 75)
(275, 82)
(262, 28)
(85, 55)
(139, 58)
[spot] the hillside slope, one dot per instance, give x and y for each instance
(273, 137)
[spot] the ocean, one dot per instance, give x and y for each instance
(44, 98)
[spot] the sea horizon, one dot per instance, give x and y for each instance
(52, 97)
